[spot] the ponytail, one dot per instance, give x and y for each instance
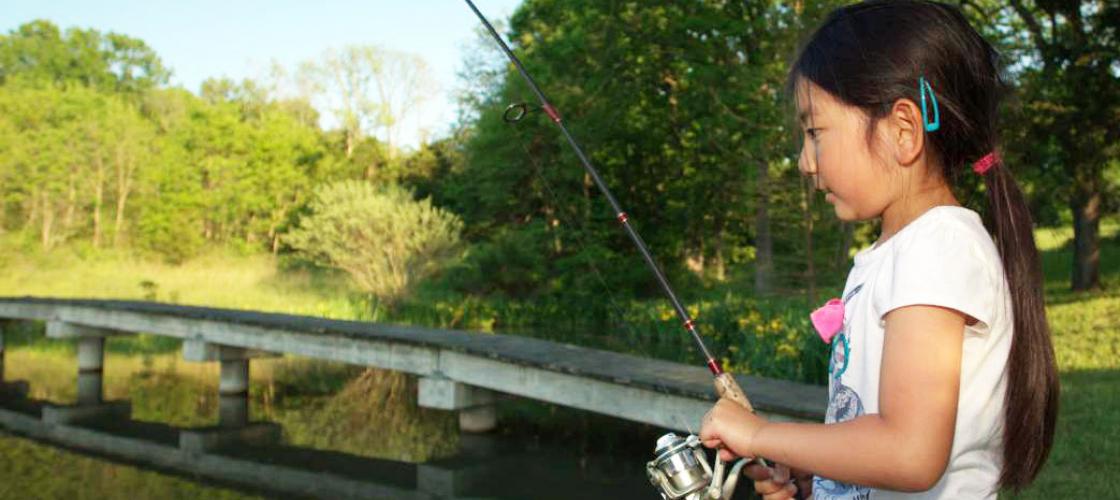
(1031, 401)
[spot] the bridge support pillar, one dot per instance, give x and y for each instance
(233, 386)
(91, 358)
(91, 364)
(234, 427)
(475, 405)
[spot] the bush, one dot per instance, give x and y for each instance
(380, 236)
(171, 233)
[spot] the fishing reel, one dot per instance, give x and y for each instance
(681, 471)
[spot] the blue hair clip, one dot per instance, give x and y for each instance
(923, 87)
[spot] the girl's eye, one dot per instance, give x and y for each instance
(812, 133)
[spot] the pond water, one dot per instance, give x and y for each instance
(360, 428)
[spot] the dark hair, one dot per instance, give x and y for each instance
(872, 54)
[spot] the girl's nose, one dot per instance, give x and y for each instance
(804, 163)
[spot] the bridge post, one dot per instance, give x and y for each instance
(233, 390)
(233, 385)
(91, 364)
(91, 356)
(91, 360)
(475, 405)
(234, 427)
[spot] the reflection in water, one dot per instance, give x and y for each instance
(358, 430)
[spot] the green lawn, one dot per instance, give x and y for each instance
(1086, 332)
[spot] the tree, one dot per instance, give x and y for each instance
(1065, 60)
(38, 52)
(368, 89)
(680, 107)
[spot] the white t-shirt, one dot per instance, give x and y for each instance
(944, 258)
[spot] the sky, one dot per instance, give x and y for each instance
(238, 39)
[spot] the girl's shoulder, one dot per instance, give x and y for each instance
(946, 221)
(944, 258)
(939, 232)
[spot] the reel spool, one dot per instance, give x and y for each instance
(680, 470)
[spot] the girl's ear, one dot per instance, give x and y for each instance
(907, 132)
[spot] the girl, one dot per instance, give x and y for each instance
(942, 377)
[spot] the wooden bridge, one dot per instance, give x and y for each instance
(458, 370)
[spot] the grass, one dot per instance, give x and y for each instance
(220, 279)
(1085, 327)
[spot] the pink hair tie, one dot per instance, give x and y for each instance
(986, 163)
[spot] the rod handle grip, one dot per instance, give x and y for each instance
(727, 387)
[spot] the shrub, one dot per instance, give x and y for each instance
(380, 236)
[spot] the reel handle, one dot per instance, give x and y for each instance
(727, 387)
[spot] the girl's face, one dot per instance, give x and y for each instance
(836, 154)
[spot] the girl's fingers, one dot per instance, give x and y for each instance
(787, 491)
(768, 487)
(757, 472)
(726, 455)
(780, 473)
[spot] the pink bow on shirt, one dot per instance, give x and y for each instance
(828, 319)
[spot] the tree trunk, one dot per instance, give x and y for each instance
(810, 268)
(717, 258)
(98, 200)
(71, 202)
(847, 230)
(763, 241)
(118, 224)
(48, 220)
(124, 184)
(1086, 241)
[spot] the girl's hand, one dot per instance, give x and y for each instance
(731, 428)
(799, 485)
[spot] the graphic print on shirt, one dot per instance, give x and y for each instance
(841, 352)
(844, 404)
(841, 347)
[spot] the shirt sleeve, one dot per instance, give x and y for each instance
(942, 264)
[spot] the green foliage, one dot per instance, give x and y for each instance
(679, 127)
(380, 236)
(38, 53)
(1062, 137)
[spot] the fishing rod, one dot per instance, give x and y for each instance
(620, 215)
(696, 481)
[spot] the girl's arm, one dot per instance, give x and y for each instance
(905, 446)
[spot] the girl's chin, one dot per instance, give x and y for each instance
(843, 212)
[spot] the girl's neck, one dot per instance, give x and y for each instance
(903, 211)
